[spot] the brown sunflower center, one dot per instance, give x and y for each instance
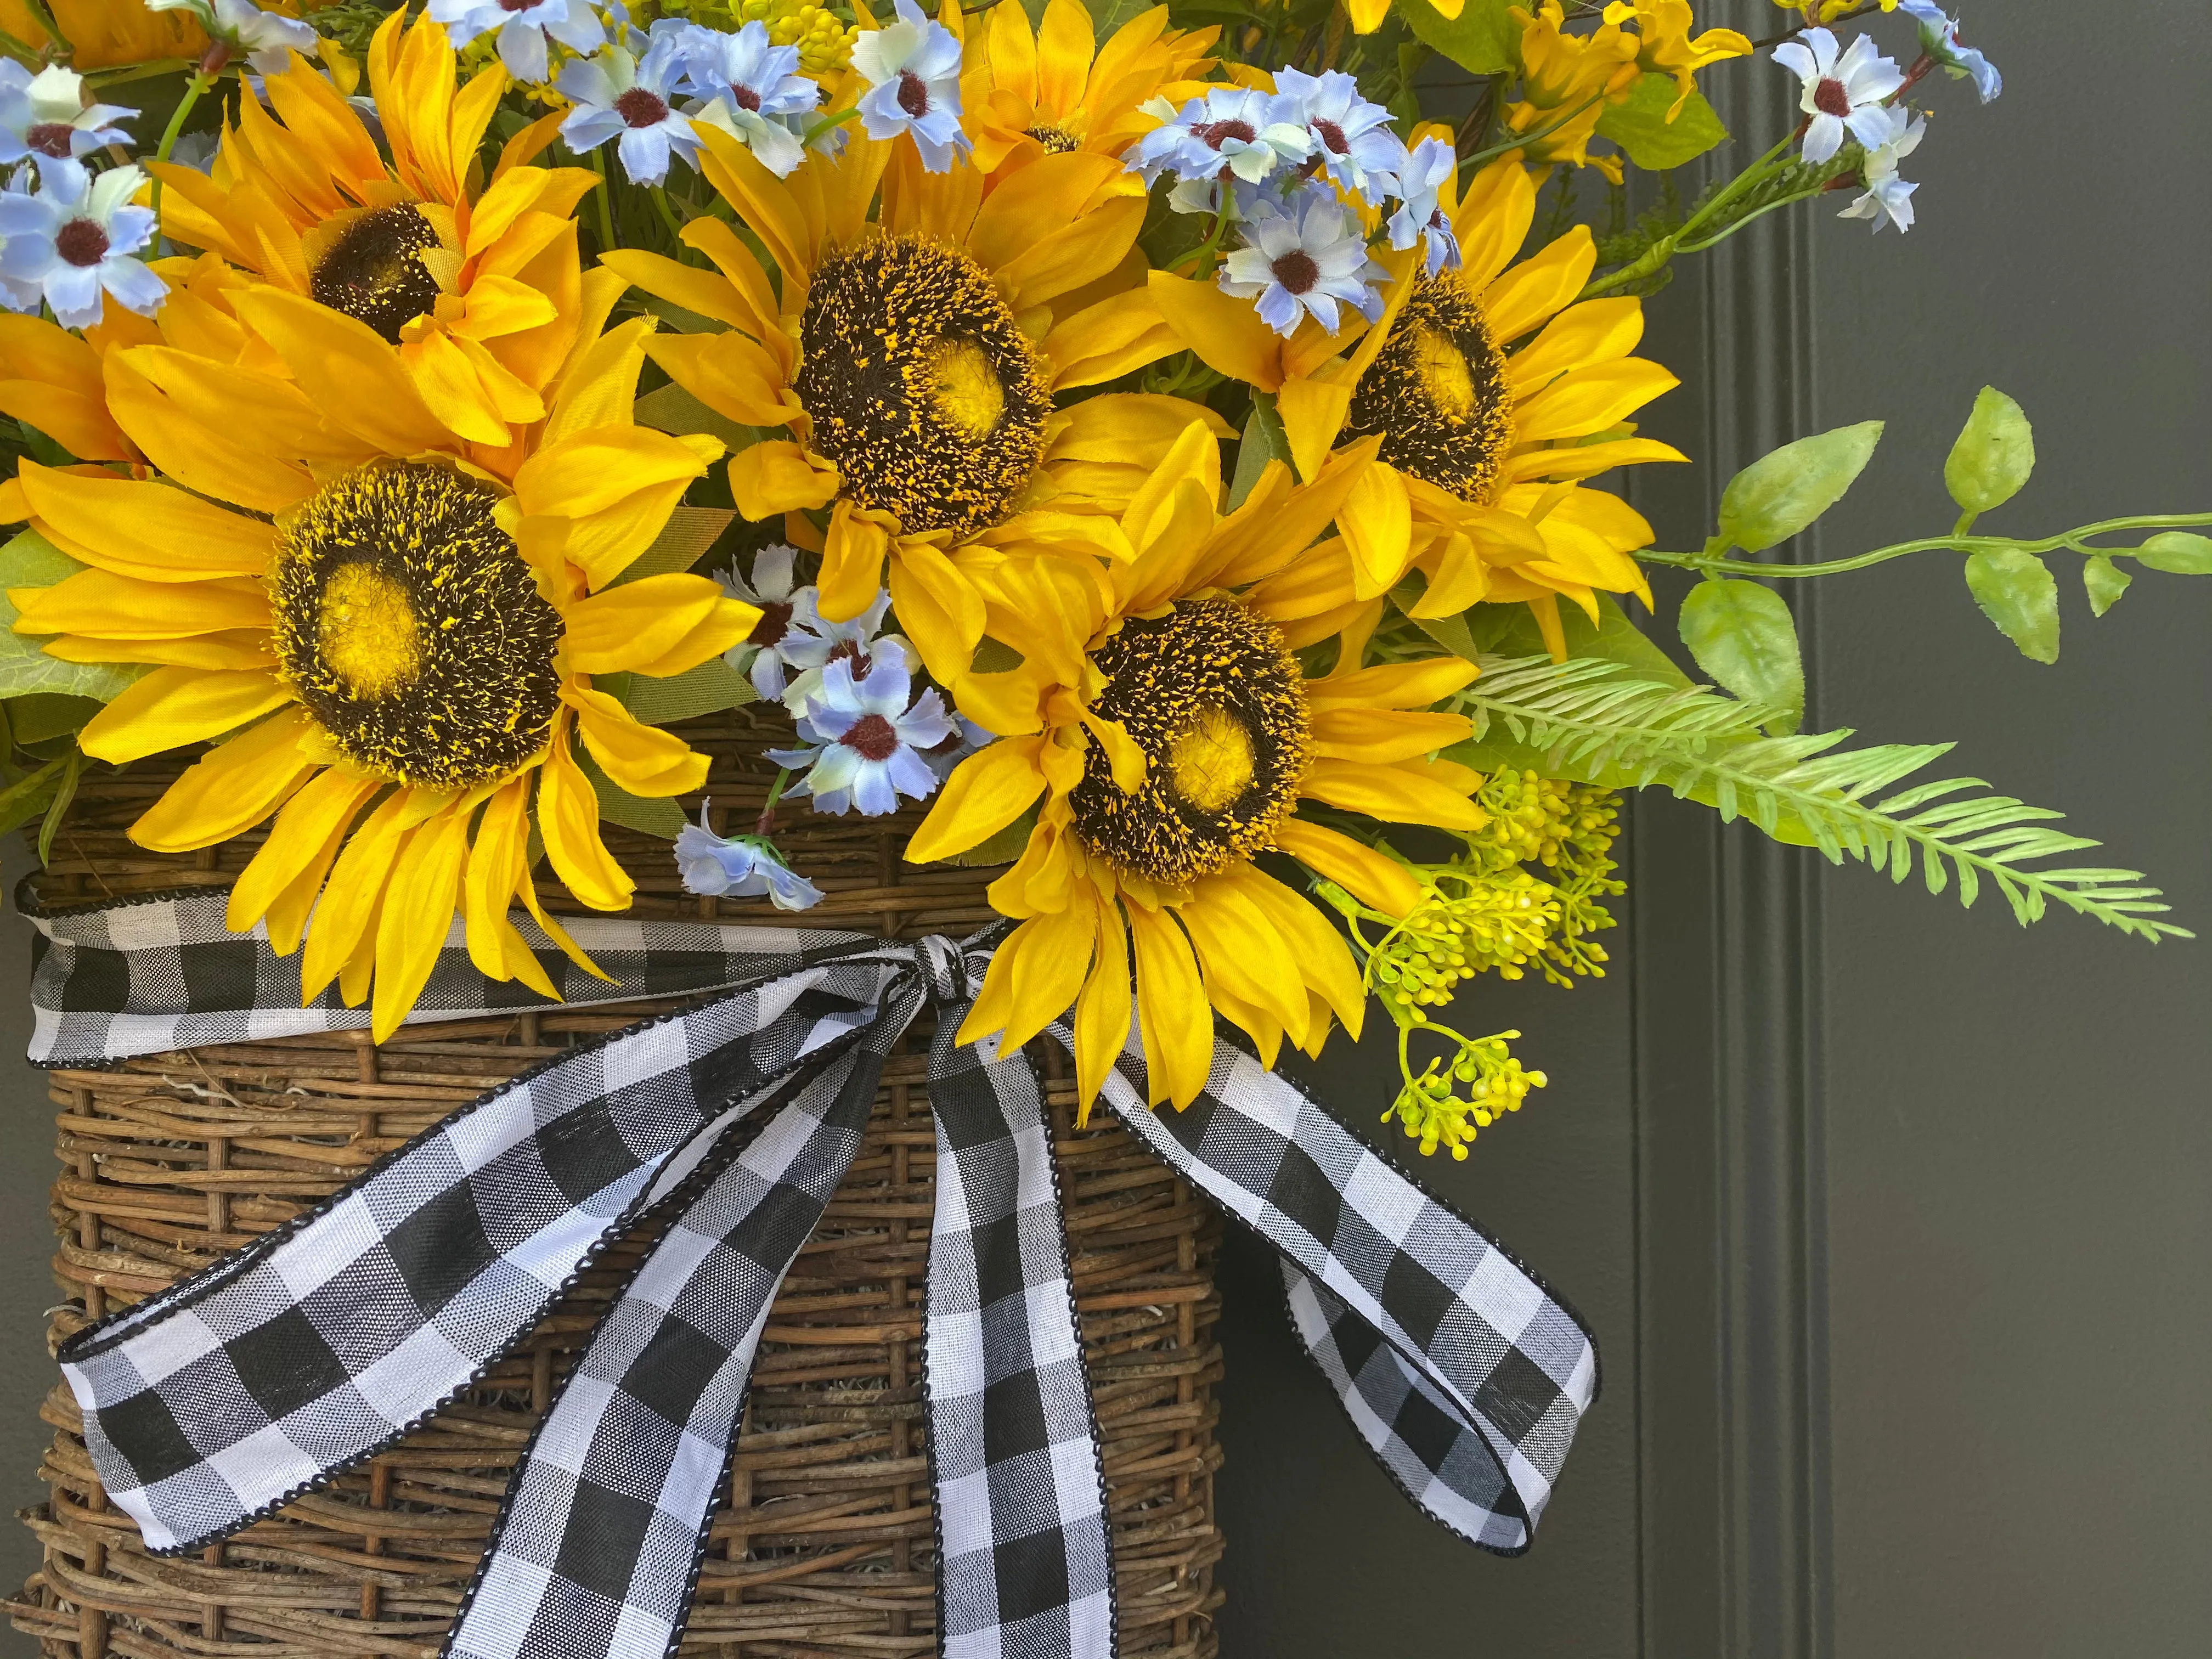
(372, 269)
(1217, 703)
(1056, 139)
(920, 383)
(1438, 394)
(410, 627)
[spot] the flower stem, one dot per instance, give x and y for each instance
(606, 213)
(199, 83)
(667, 215)
(766, 826)
(2070, 541)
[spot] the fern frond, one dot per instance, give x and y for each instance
(1598, 721)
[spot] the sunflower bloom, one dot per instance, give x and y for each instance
(1493, 394)
(108, 33)
(407, 636)
(1045, 91)
(913, 359)
(1165, 735)
(477, 288)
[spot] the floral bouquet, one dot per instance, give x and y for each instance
(1182, 449)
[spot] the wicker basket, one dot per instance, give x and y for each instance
(826, 1546)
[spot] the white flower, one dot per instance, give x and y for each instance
(1232, 129)
(1420, 214)
(865, 743)
(630, 98)
(1841, 94)
(267, 39)
(522, 29)
(818, 642)
(739, 866)
(76, 238)
(912, 70)
(752, 90)
(1939, 39)
(1351, 138)
(1305, 259)
(762, 654)
(45, 115)
(1888, 197)
(15, 294)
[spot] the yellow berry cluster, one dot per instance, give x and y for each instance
(824, 42)
(1435, 1114)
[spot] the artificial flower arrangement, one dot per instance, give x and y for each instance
(1153, 443)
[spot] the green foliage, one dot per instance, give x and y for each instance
(1639, 124)
(689, 534)
(1483, 39)
(661, 818)
(1596, 722)
(1994, 454)
(1264, 440)
(30, 794)
(671, 409)
(2177, 553)
(710, 688)
(1781, 494)
(2104, 582)
(1743, 635)
(2017, 592)
(31, 561)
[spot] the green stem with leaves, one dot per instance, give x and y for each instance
(1717, 564)
(194, 88)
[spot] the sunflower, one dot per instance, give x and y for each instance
(1485, 431)
(1042, 92)
(478, 289)
(914, 359)
(370, 623)
(1166, 735)
(107, 34)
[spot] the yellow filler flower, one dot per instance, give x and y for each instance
(471, 283)
(407, 634)
(1171, 735)
(1566, 81)
(914, 359)
(1666, 46)
(1038, 92)
(1483, 447)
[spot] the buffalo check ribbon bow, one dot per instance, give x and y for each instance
(216, 1401)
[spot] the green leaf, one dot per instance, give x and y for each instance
(31, 561)
(1743, 635)
(1639, 124)
(29, 795)
(1778, 494)
(1106, 16)
(1507, 630)
(1595, 722)
(1264, 440)
(2177, 553)
(710, 688)
(40, 715)
(664, 818)
(678, 318)
(684, 540)
(1483, 39)
(671, 409)
(64, 792)
(2105, 581)
(1994, 455)
(2017, 592)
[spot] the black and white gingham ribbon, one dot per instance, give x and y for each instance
(225, 1396)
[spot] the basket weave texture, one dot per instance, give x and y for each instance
(825, 1549)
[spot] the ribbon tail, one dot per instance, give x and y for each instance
(1024, 1565)
(598, 1545)
(1464, 1375)
(236, 1390)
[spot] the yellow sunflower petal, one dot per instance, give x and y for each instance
(306, 836)
(172, 706)
(643, 759)
(418, 915)
(779, 477)
(351, 374)
(223, 463)
(1048, 970)
(1102, 342)
(1224, 332)
(1393, 685)
(1369, 876)
(569, 818)
(354, 894)
(51, 377)
(1172, 1011)
(1539, 286)
(1103, 1011)
(938, 606)
(730, 374)
(986, 792)
(233, 788)
(1323, 958)
(1594, 331)
(1376, 522)
(100, 604)
(154, 531)
(1493, 220)
(1313, 413)
(1591, 399)
(1239, 950)
(635, 623)
(1383, 735)
(1396, 794)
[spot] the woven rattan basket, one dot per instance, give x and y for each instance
(825, 1547)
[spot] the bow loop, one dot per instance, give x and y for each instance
(943, 964)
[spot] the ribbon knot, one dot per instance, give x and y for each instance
(216, 1401)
